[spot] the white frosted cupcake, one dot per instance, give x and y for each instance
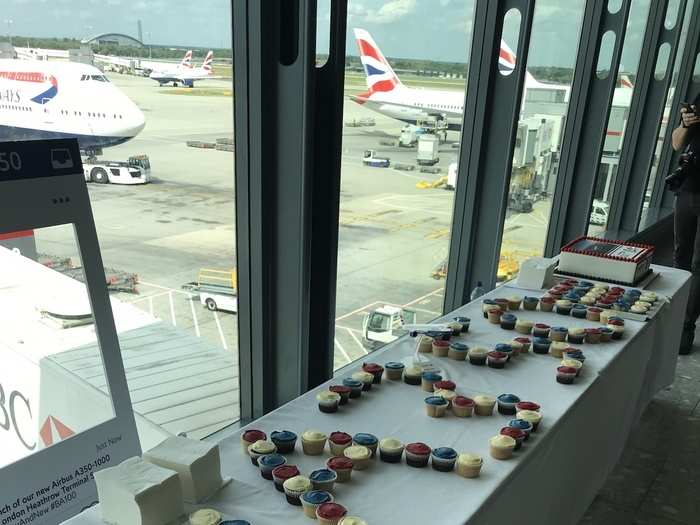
(425, 344)
(205, 517)
(530, 416)
(469, 465)
(557, 349)
(313, 442)
(360, 456)
(483, 405)
(501, 447)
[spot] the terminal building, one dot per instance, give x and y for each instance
(313, 286)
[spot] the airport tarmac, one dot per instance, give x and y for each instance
(392, 234)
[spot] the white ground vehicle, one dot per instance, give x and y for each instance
(370, 158)
(428, 150)
(136, 170)
(599, 213)
(384, 325)
(451, 183)
(216, 289)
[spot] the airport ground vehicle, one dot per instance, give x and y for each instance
(452, 175)
(216, 289)
(136, 170)
(599, 213)
(428, 154)
(370, 158)
(384, 325)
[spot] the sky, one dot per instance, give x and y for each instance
(429, 29)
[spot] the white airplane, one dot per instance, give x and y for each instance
(186, 75)
(51, 99)
(386, 94)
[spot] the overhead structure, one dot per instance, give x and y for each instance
(115, 39)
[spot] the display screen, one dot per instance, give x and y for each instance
(52, 379)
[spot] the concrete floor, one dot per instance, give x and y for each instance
(657, 480)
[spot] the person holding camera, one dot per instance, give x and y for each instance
(685, 183)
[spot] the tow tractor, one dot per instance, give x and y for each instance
(216, 289)
(384, 325)
(370, 158)
(136, 170)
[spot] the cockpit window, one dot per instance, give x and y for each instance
(99, 78)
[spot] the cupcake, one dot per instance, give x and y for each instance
(483, 405)
(251, 436)
(572, 296)
(312, 499)
(445, 384)
(352, 520)
(323, 479)
(447, 395)
(458, 351)
(268, 463)
(260, 448)
(501, 447)
(455, 327)
(494, 314)
(514, 302)
(465, 322)
(588, 300)
(330, 513)
(469, 465)
(313, 442)
(284, 440)
(360, 456)
(355, 387)
(530, 303)
(365, 378)
(440, 347)
(517, 347)
(592, 335)
(523, 425)
(343, 392)
(435, 406)
(502, 304)
(508, 321)
(540, 345)
(557, 349)
(566, 375)
(525, 342)
(412, 375)
(496, 359)
(205, 517)
(540, 330)
(618, 329)
(366, 440)
(282, 474)
(517, 434)
(342, 466)
(394, 370)
(593, 314)
(605, 334)
(579, 311)
(417, 454)
(573, 363)
(506, 404)
(563, 306)
(462, 406)
(534, 417)
(425, 344)
(444, 458)
(390, 450)
(428, 379)
(576, 335)
(328, 401)
(527, 405)
(558, 333)
(639, 309)
(294, 488)
(477, 355)
(485, 305)
(339, 441)
(523, 326)
(547, 304)
(376, 370)
(574, 353)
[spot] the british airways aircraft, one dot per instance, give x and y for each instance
(186, 75)
(52, 99)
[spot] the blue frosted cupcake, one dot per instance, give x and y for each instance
(540, 345)
(465, 322)
(366, 440)
(444, 459)
(312, 499)
(574, 353)
(558, 333)
(284, 440)
(523, 425)
(394, 370)
(458, 351)
(506, 404)
(606, 334)
(508, 321)
(354, 386)
(323, 479)
(572, 296)
(234, 522)
(428, 379)
(579, 311)
(504, 348)
(530, 303)
(270, 462)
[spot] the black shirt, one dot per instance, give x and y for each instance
(692, 183)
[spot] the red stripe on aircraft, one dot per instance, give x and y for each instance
(508, 57)
(16, 235)
(368, 49)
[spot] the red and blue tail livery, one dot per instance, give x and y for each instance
(380, 77)
(48, 83)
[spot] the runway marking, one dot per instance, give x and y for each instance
(438, 234)
(221, 332)
(342, 350)
(362, 347)
(431, 312)
(383, 202)
(172, 308)
(356, 311)
(434, 292)
(194, 317)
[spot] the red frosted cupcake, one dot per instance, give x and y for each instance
(566, 375)
(339, 441)
(251, 436)
(330, 513)
(417, 454)
(527, 405)
(342, 466)
(374, 369)
(517, 434)
(462, 406)
(283, 473)
(343, 391)
(444, 385)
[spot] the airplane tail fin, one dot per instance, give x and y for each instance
(187, 59)
(506, 64)
(625, 82)
(380, 75)
(206, 66)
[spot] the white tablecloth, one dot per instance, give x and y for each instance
(552, 480)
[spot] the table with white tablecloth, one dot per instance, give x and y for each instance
(551, 480)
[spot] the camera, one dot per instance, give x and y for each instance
(687, 163)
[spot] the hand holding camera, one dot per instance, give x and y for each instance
(688, 115)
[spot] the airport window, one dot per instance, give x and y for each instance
(160, 176)
(619, 114)
(551, 60)
(396, 200)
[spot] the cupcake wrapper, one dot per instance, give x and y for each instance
(506, 410)
(323, 485)
(355, 393)
(390, 457)
(343, 475)
(285, 447)
(394, 375)
(313, 449)
(479, 361)
(457, 356)
(440, 351)
(468, 471)
(493, 364)
(501, 453)
(410, 380)
(367, 386)
(443, 466)
(328, 409)
(416, 461)
(293, 500)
